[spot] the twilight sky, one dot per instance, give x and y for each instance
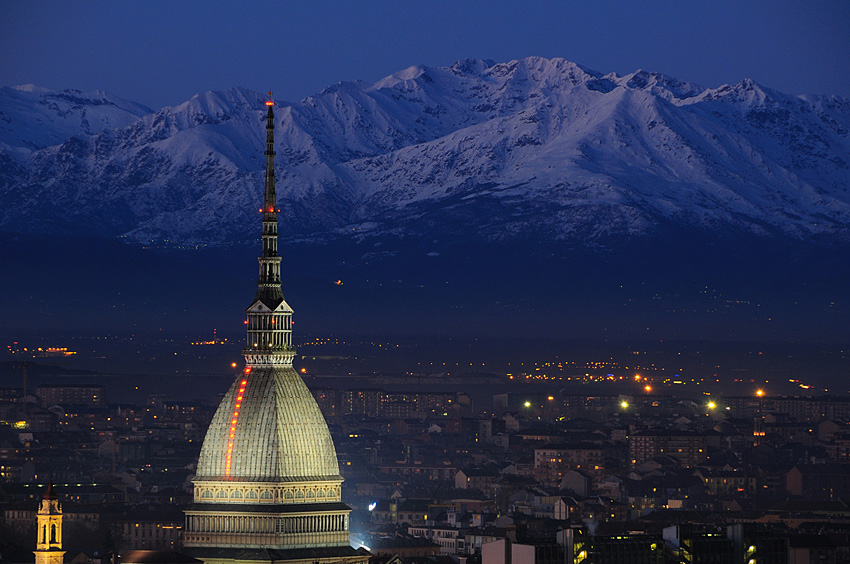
(162, 52)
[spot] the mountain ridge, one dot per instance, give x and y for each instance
(534, 148)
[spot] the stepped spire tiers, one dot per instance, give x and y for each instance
(268, 486)
(269, 292)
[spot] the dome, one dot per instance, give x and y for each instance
(270, 429)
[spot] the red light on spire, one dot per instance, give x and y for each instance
(270, 102)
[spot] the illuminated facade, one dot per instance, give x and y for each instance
(48, 548)
(268, 485)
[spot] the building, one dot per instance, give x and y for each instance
(727, 482)
(48, 548)
(156, 557)
(758, 543)
(685, 446)
(361, 403)
(327, 399)
(70, 395)
(477, 479)
(158, 530)
(268, 486)
(506, 551)
(819, 481)
(689, 543)
(552, 462)
(448, 537)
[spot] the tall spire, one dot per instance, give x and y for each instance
(269, 200)
(267, 487)
(269, 317)
(268, 290)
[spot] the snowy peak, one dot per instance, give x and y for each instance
(478, 150)
(33, 118)
(549, 73)
(31, 88)
(209, 107)
(471, 67)
(223, 102)
(669, 88)
(401, 77)
(746, 94)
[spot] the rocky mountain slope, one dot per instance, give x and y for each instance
(478, 151)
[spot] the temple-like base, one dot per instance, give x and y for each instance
(323, 555)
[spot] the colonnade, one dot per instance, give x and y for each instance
(326, 523)
(268, 322)
(269, 330)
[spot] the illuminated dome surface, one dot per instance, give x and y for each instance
(279, 433)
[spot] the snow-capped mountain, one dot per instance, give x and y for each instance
(33, 118)
(479, 150)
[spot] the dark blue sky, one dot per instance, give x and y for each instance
(162, 52)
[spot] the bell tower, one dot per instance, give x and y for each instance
(49, 541)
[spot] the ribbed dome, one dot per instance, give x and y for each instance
(279, 432)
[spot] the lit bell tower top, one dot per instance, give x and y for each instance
(49, 529)
(269, 317)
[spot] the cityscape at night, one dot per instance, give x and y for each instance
(449, 283)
